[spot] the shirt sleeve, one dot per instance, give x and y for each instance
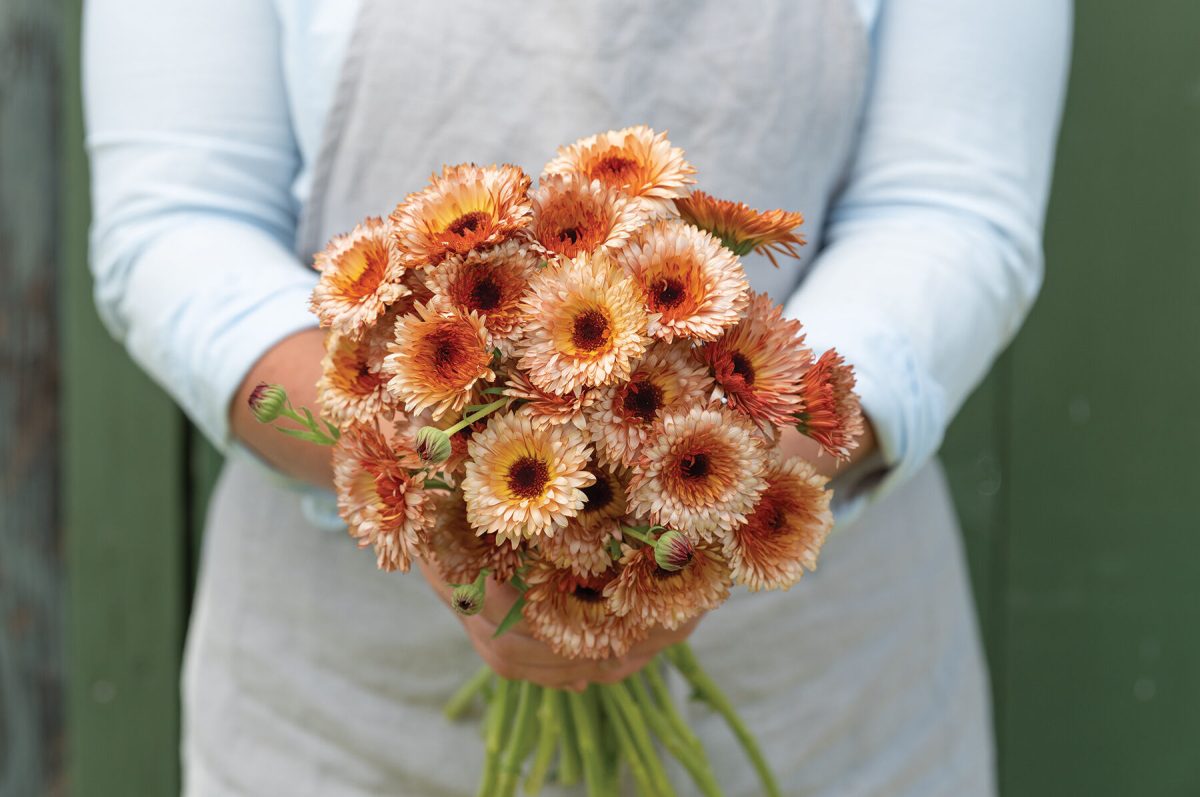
(933, 249)
(193, 157)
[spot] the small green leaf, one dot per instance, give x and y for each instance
(512, 618)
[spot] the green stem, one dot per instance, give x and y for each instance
(667, 705)
(517, 745)
(497, 723)
(637, 535)
(636, 723)
(569, 764)
(587, 734)
(483, 411)
(628, 747)
(549, 717)
(685, 661)
(459, 701)
(695, 761)
(435, 484)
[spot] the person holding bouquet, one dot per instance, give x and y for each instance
(230, 140)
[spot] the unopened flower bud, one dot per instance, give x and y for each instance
(673, 551)
(467, 599)
(267, 401)
(433, 445)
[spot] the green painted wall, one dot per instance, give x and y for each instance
(1071, 465)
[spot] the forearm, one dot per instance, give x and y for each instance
(295, 363)
(794, 444)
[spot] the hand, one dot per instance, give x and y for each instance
(517, 656)
(794, 444)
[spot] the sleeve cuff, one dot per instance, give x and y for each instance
(905, 404)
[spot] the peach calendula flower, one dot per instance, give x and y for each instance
(382, 503)
(359, 278)
(585, 326)
(701, 472)
(458, 553)
(636, 161)
(759, 363)
(437, 358)
(545, 408)
(786, 530)
(829, 411)
(522, 481)
(743, 229)
(489, 283)
(623, 416)
(465, 207)
(654, 596)
(568, 611)
(583, 544)
(572, 216)
(693, 286)
(353, 386)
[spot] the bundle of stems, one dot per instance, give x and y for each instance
(534, 733)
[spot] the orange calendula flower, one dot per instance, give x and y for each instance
(786, 530)
(583, 544)
(465, 207)
(623, 416)
(585, 326)
(653, 596)
(636, 161)
(549, 409)
(458, 553)
(383, 505)
(522, 481)
(692, 286)
(572, 216)
(829, 411)
(759, 363)
(353, 386)
(359, 279)
(489, 283)
(701, 473)
(742, 228)
(437, 358)
(569, 612)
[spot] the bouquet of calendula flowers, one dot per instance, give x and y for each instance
(572, 389)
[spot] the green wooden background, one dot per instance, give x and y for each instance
(1073, 465)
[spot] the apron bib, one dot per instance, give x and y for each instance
(309, 672)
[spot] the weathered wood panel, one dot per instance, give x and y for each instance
(31, 573)
(125, 479)
(1102, 656)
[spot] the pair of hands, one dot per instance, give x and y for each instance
(517, 656)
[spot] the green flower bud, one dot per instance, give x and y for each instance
(673, 551)
(433, 445)
(267, 401)
(467, 599)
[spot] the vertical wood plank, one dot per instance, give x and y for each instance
(31, 573)
(1102, 653)
(124, 457)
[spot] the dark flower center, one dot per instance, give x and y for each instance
(569, 235)
(599, 495)
(485, 295)
(694, 466)
(591, 330)
(588, 594)
(666, 293)
(614, 168)
(468, 223)
(643, 400)
(743, 368)
(527, 477)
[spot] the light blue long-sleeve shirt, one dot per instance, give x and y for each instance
(204, 120)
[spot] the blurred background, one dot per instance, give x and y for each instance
(1075, 465)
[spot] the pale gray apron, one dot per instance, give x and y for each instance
(309, 672)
